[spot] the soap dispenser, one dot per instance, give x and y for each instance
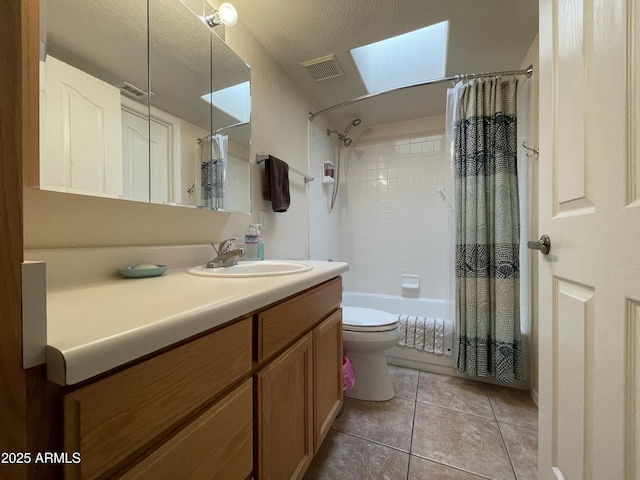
(251, 243)
(260, 243)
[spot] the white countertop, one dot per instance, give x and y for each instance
(94, 328)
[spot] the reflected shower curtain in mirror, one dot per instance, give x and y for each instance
(487, 230)
(213, 165)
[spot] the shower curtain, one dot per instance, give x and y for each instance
(213, 163)
(487, 230)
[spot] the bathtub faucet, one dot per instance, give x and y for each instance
(225, 257)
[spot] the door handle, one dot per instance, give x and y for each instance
(544, 244)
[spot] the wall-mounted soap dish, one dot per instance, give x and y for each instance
(410, 282)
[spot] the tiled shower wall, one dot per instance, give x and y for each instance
(397, 222)
(325, 238)
(391, 219)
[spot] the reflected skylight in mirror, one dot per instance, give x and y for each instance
(412, 57)
(234, 100)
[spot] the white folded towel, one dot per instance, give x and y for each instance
(428, 346)
(411, 331)
(438, 341)
(420, 333)
(402, 328)
(425, 333)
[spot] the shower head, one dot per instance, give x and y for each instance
(353, 123)
(343, 136)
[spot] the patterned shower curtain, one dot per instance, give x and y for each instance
(487, 231)
(213, 154)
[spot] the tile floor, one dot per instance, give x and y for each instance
(437, 427)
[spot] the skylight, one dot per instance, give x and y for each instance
(412, 57)
(234, 100)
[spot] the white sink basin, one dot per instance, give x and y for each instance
(264, 268)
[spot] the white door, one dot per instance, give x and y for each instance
(135, 155)
(589, 284)
(81, 150)
(160, 174)
(140, 173)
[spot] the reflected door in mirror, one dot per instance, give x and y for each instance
(135, 155)
(81, 143)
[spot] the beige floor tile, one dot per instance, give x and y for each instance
(343, 456)
(460, 394)
(522, 446)
(389, 423)
(464, 441)
(450, 435)
(513, 406)
(405, 382)
(421, 469)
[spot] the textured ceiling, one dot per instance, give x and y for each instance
(108, 39)
(484, 35)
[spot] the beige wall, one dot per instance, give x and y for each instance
(279, 127)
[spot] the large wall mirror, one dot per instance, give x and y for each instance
(140, 100)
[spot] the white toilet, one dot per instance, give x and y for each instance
(366, 335)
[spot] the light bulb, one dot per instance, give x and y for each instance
(228, 14)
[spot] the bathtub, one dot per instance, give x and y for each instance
(428, 307)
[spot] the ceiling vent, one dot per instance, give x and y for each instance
(323, 68)
(133, 91)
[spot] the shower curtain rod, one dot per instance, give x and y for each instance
(223, 129)
(456, 78)
(229, 127)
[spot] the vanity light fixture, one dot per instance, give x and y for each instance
(226, 15)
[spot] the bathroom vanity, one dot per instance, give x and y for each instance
(252, 396)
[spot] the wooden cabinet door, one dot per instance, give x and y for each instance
(285, 413)
(114, 420)
(218, 445)
(327, 374)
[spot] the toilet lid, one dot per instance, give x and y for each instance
(358, 319)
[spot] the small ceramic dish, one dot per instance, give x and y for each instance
(132, 272)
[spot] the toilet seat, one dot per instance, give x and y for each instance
(358, 319)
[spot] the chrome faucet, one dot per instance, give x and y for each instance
(225, 257)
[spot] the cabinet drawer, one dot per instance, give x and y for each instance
(282, 324)
(110, 420)
(218, 445)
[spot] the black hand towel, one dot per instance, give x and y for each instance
(275, 185)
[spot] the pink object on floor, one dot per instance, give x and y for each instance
(348, 374)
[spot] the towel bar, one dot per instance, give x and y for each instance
(307, 178)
